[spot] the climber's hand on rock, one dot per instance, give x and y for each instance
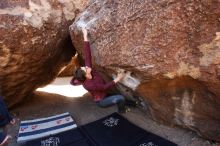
(85, 32)
(119, 77)
(88, 69)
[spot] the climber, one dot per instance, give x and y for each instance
(94, 83)
(5, 118)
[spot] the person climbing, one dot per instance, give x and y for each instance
(95, 84)
(5, 118)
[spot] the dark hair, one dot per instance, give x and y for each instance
(80, 74)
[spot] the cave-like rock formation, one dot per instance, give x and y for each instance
(171, 47)
(34, 43)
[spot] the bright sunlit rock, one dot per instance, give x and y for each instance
(62, 86)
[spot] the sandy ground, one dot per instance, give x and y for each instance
(80, 105)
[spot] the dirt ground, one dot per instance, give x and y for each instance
(84, 110)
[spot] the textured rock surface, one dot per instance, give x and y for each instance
(33, 43)
(69, 69)
(183, 101)
(173, 46)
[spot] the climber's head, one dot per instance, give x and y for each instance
(80, 74)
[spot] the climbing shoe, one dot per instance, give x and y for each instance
(131, 103)
(122, 108)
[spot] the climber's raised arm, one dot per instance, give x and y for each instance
(87, 49)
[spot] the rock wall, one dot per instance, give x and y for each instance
(69, 69)
(171, 47)
(34, 41)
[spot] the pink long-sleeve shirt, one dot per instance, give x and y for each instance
(96, 86)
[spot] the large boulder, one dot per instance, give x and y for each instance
(171, 47)
(34, 43)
